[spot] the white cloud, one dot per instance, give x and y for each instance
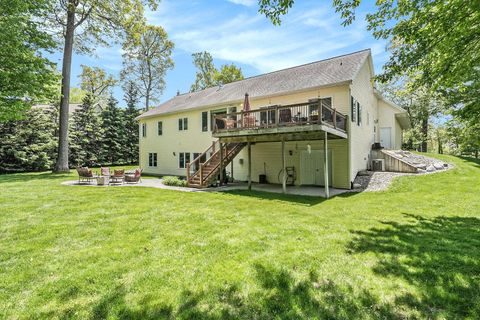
(247, 3)
(307, 33)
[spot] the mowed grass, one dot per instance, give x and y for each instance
(140, 253)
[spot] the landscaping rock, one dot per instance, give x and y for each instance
(439, 165)
(430, 168)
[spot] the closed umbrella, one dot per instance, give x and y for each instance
(248, 119)
(246, 103)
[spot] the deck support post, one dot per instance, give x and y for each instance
(249, 149)
(284, 176)
(231, 170)
(221, 162)
(325, 165)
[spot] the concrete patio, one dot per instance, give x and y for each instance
(312, 191)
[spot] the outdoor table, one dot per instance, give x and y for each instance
(102, 180)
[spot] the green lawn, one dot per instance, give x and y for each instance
(126, 253)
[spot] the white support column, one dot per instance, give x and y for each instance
(221, 163)
(284, 177)
(325, 165)
(249, 148)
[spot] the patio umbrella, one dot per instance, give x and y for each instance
(246, 103)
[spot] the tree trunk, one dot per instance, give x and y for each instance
(147, 100)
(62, 160)
(424, 134)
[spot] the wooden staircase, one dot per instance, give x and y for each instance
(204, 169)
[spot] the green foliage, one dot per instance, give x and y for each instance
(96, 82)
(204, 77)
(77, 95)
(146, 62)
(208, 76)
(174, 181)
(86, 135)
(437, 42)
(28, 144)
(465, 137)
(228, 73)
(131, 125)
(422, 104)
(26, 76)
(113, 138)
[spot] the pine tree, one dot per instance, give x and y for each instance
(113, 140)
(86, 134)
(29, 144)
(131, 125)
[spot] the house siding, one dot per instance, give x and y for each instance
(362, 136)
(194, 140)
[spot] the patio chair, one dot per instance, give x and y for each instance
(249, 121)
(118, 176)
(285, 116)
(229, 123)
(85, 175)
(105, 171)
(133, 177)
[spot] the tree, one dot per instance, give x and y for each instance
(208, 76)
(421, 105)
(147, 61)
(438, 41)
(113, 138)
(205, 76)
(77, 95)
(96, 82)
(86, 134)
(28, 144)
(131, 125)
(26, 76)
(465, 136)
(81, 25)
(228, 73)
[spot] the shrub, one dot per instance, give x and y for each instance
(174, 181)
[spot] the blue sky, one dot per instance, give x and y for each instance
(234, 32)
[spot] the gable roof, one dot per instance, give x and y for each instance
(321, 73)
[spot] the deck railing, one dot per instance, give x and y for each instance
(282, 116)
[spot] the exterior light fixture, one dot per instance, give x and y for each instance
(309, 149)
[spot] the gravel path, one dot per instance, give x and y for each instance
(379, 181)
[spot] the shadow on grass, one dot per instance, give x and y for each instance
(299, 199)
(472, 161)
(439, 257)
(279, 296)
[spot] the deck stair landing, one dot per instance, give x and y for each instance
(204, 169)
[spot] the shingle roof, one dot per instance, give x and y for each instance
(316, 74)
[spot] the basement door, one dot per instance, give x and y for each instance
(311, 167)
(386, 137)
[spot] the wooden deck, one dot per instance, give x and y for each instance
(309, 120)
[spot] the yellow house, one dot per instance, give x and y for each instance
(304, 122)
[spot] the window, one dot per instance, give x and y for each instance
(182, 124)
(152, 159)
(183, 159)
(160, 127)
(359, 114)
(204, 121)
(144, 130)
(353, 105)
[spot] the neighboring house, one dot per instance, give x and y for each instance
(295, 110)
(72, 107)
